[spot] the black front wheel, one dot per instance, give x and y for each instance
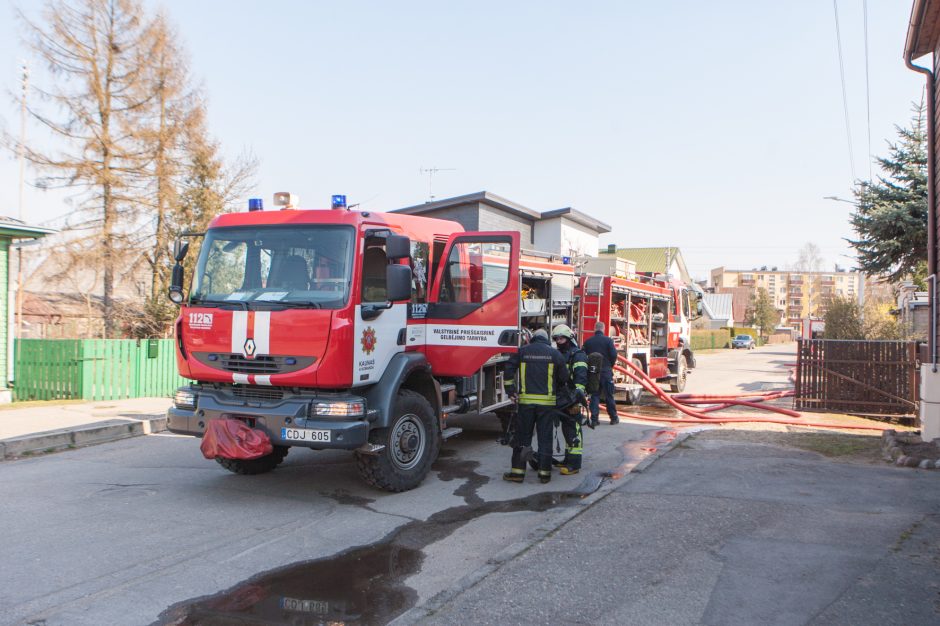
(412, 442)
(260, 465)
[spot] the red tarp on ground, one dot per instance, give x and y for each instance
(234, 439)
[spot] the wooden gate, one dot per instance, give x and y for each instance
(856, 376)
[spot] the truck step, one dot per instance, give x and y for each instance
(450, 408)
(452, 431)
(448, 387)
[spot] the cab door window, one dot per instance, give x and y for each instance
(474, 272)
(374, 262)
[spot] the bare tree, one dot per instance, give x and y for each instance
(98, 53)
(810, 258)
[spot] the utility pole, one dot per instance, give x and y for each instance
(431, 171)
(22, 146)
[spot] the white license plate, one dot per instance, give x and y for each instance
(305, 434)
(305, 606)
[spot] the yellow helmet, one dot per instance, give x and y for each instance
(562, 330)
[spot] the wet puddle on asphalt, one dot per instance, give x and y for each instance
(365, 585)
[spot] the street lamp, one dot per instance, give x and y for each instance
(838, 199)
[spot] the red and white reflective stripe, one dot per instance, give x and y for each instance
(239, 331)
(262, 332)
(251, 379)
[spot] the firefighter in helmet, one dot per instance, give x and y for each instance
(571, 398)
(533, 374)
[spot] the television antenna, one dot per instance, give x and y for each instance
(431, 171)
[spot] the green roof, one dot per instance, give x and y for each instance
(646, 259)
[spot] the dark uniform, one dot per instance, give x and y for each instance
(570, 400)
(541, 372)
(603, 345)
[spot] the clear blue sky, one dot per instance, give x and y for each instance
(717, 126)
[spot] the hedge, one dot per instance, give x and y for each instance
(708, 339)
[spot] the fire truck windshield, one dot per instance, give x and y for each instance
(275, 266)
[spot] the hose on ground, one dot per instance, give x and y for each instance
(704, 417)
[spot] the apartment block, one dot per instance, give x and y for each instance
(796, 295)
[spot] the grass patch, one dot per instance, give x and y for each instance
(833, 445)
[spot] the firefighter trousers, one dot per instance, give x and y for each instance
(574, 438)
(531, 418)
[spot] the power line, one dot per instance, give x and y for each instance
(867, 89)
(845, 100)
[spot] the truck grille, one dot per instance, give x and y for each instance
(257, 393)
(258, 365)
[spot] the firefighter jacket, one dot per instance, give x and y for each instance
(536, 373)
(603, 345)
(577, 366)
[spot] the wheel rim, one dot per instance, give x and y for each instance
(408, 441)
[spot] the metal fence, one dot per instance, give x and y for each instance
(94, 369)
(862, 377)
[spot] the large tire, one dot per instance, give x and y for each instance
(682, 371)
(633, 396)
(255, 466)
(412, 442)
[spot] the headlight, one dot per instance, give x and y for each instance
(185, 399)
(339, 408)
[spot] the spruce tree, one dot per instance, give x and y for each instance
(891, 213)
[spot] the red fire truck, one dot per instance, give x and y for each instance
(650, 320)
(355, 330)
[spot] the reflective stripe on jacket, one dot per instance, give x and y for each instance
(541, 372)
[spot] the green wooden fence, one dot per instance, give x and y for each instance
(94, 369)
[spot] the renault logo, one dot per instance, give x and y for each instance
(250, 347)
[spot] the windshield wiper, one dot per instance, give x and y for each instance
(292, 304)
(218, 303)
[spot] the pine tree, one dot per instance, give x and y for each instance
(891, 213)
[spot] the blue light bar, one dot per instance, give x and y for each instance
(255, 204)
(339, 202)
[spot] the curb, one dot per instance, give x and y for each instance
(564, 515)
(86, 435)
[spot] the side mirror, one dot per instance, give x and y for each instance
(176, 282)
(397, 247)
(398, 281)
(180, 248)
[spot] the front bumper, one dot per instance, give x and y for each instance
(346, 433)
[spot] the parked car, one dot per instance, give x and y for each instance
(743, 341)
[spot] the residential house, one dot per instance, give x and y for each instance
(666, 260)
(718, 310)
(564, 232)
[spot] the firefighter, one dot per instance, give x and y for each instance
(603, 345)
(571, 398)
(541, 370)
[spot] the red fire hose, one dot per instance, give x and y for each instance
(703, 416)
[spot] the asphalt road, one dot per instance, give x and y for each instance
(118, 533)
(732, 532)
(145, 530)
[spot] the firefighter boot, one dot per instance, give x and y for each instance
(545, 476)
(515, 475)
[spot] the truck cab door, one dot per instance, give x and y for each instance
(473, 309)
